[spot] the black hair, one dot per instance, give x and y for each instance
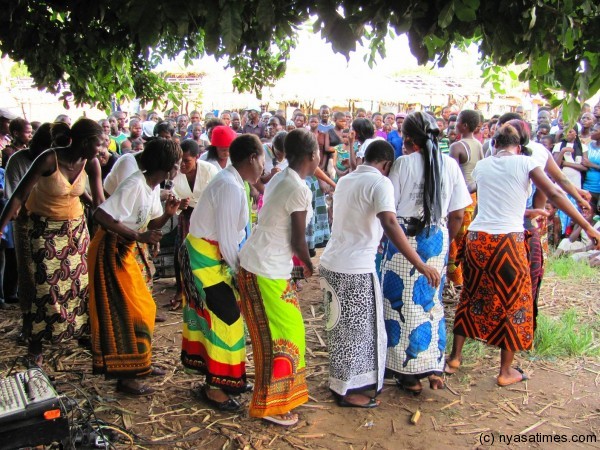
(243, 147)
(506, 136)
(214, 122)
(546, 126)
(470, 118)
(278, 141)
(190, 146)
(160, 154)
(279, 118)
(165, 125)
(364, 129)
(379, 150)
(299, 144)
(577, 146)
(452, 118)
(85, 129)
(376, 114)
(504, 118)
(17, 125)
(41, 140)
(422, 129)
(339, 115)
(523, 130)
(62, 118)
(61, 134)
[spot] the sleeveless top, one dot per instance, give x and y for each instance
(474, 155)
(55, 198)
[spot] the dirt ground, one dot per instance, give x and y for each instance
(561, 401)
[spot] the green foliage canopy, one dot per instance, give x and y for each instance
(109, 47)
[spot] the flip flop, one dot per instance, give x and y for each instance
(230, 405)
(409, 387)
(282, 422)
(524, 377)
(343, 403)
(142, 390)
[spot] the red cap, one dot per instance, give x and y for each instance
(222, 136)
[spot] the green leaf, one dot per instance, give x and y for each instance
(266, 11)
(464, 13)
(446, 14)
(230, 20)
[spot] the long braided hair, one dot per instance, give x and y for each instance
(421, 129)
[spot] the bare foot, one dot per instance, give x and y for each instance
(514, 375)
(436, 382)
(217, 395)
(452, 365)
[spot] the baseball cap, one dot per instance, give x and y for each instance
(253, 108)
(6, 114)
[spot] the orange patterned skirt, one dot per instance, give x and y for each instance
(496, 305)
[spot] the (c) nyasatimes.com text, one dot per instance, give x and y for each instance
(537, 438)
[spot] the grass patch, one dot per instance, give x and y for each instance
(566, 335)
(566, 267)
(473, 350)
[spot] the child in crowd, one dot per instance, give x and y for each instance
(579, 245)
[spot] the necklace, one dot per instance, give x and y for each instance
(506, 152)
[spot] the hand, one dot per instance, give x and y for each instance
(172, 204)
(346, 163)
(150, 237)
(352, 136)
(432, 275)
(307, 271)
(595, 237)
(275, 170)
(568, 149)
(533, 213)
(185, 203)
(586, 196)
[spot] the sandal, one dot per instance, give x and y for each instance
(176, 302)
(127, 389)
(524, 377)
(343, 403)
(157, 371)
(409, 384)
(230, 405)
(284, 420)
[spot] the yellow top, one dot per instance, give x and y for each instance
(56, 198)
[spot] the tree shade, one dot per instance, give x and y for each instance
(107, 48)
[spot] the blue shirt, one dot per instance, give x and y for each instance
(395, 139)
(592, 176)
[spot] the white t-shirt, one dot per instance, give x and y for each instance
(268, 251)
(539, 154)
(281, 165)
(204, 173)
(134, 203)
(573, 175)
(407, 178)
(502, 190)
(356, 232)
(222, 214)
(123, 168)
(214, 162)
(363, 147)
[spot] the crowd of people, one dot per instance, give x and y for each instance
(406, 205)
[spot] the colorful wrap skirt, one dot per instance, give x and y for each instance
(213, 329)
(122, 309)
(496, 304)
(26, 280)
(59, 311)
(455, 271)
(356, 338)
(413, 310)
(276, 328)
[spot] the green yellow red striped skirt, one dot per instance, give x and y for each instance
(276, 327)
(213, 329)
